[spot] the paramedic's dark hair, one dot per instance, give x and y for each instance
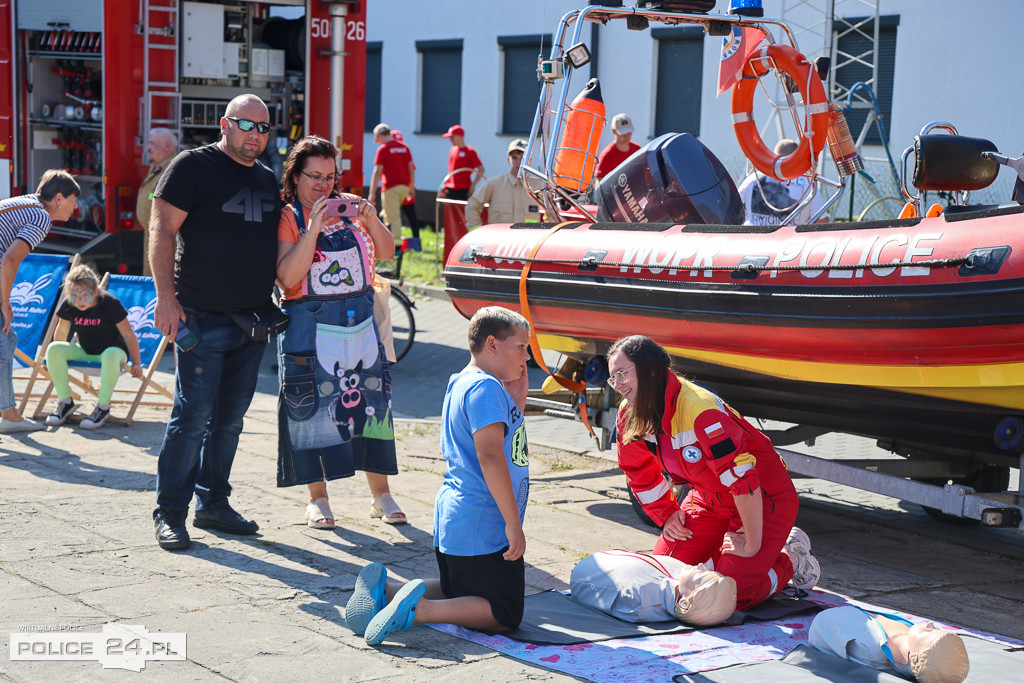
(650, 363)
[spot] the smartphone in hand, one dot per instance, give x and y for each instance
(185, 338)
(343, 207)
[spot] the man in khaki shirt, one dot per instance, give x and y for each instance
(506, 195)
(161, 148)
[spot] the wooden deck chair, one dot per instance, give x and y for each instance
(34, 298)
(138, 295)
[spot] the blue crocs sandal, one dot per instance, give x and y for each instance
(368, 598)
(399, 614)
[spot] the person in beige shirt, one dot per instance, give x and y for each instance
(506, 196)
(161, 148)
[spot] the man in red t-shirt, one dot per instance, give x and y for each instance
(618, 151)
(461, 184)
(393, 163)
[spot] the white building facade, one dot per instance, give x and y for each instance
(432, 64)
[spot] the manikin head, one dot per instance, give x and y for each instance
(704, 597)
(936, 656)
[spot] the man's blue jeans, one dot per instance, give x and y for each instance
(213, 387)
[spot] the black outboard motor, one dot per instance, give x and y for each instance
(673, 179)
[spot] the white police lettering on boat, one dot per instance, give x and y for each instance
(699, 252)
(831, 252)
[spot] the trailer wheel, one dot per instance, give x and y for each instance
(987, 479)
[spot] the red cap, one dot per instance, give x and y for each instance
(455, 130)
(397, 135)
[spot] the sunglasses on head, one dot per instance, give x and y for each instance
(245, 125)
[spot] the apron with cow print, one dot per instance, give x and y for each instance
(334, 412)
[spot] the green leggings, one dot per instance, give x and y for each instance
(59, 353)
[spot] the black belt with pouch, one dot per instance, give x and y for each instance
(264, 323)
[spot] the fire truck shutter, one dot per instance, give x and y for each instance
(46, 15)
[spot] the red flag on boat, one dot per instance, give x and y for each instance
(736, 49)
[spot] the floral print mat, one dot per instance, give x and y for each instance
(659, 658)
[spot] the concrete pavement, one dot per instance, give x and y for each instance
(77, 548)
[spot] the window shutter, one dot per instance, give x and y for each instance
(680, 67)
(521, 90)
(373, 75)
(850, 74)
(441, 100)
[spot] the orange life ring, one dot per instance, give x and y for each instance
(812, 139)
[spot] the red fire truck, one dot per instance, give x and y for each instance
(82, 83)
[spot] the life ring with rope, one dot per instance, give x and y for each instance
(790, 61)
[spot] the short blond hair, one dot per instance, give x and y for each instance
(712, 603)
(496, 321)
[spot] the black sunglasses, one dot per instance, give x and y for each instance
(245, 125)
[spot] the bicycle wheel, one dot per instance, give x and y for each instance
(403, 324)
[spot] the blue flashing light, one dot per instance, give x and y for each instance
(747, 8)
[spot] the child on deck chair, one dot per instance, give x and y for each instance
(104, 336)
(479, 510)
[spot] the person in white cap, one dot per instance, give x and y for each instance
(506, 196)
(618, 151)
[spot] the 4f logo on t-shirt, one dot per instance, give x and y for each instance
(251, 204)
(520, 453)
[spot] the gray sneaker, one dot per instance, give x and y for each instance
(61, 413)
(98, 418)
(806, 570)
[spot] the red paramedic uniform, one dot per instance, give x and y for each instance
(706, 444)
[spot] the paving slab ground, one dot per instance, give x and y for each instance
(77, 548)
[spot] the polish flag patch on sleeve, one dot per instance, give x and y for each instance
(714, 431)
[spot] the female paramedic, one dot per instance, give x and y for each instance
(738, 516)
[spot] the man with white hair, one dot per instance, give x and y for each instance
(161, 148)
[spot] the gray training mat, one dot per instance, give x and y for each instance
(553, 618)
(990, 663)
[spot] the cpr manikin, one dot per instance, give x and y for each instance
(638, 588)
(888, 643)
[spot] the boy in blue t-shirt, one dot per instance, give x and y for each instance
(479, 510)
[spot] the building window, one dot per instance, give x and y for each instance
(440, 84)
(520, 88)
(854, 42)
(373, 53)
(680, 65)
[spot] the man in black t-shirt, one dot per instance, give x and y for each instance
(213, 251)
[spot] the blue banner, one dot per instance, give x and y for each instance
(138, 296)
(33, 296)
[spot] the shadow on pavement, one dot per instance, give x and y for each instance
(64, 466)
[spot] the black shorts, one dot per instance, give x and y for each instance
(491, 577)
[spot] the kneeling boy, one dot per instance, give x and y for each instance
(479, 510)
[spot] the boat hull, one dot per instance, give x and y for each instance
(836, 337)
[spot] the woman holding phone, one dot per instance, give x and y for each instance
(334, 413)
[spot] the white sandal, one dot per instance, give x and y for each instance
(319, 515)
(387, 509)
